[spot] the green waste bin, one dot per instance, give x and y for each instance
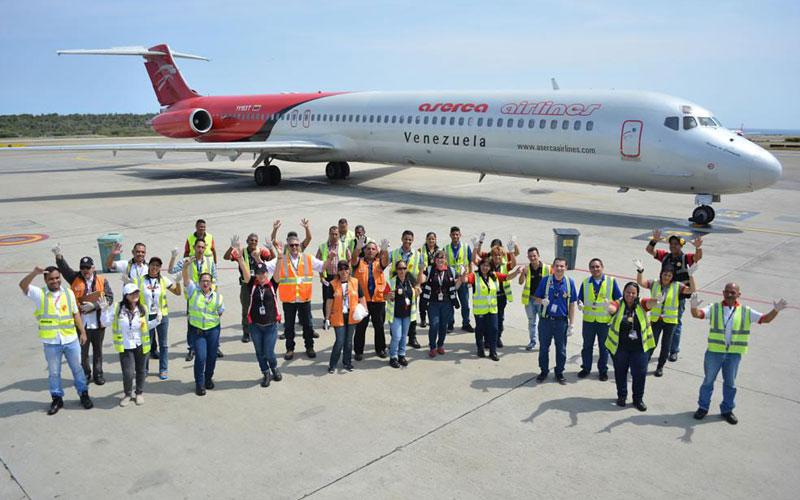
(567, 244)
(105, 243)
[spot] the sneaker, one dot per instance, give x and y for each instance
(730, 418)
(163, 376)
(200, 390)
(139, 399)
(289, 355)
(125, 401)
(331, 371)
(189, 355)
(583, 373)
(432, 353)
(56, 405)
(402, 360)
(440, 351)
(86, 401)
(673, 357)
(468, 328)
(530, 346)
(220, 353)
(700, 414)
(276, 375)
(394, 363)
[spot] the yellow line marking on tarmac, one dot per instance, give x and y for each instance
(769, 231)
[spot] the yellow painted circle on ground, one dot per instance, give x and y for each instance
(7, 240)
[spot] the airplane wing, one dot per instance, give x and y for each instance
(232, 150)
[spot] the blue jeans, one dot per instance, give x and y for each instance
(550, 330)
(205, 344)
(713, 363)
(399, 329)
(532, 311)
(636, 362)
(463, 299)
(439, 315)
(264, 338)
(342, 346)
(590, 332)
(675, 348)
(71, 351)
(160, 333)
(486, 332)
(189, 337)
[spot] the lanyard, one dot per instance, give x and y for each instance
(153, 284)
(726, 322)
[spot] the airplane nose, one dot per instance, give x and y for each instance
(765, 171)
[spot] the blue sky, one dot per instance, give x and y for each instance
(741, 59)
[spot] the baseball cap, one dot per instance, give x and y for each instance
(129, 288)
(86, 262)
(261, 268)
(155, 260)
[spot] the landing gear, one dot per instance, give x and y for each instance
(337, 170)
(704, 214)
(267, 175)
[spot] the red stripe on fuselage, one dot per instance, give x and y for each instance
(227, 110)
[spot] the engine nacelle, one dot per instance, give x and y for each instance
(183, 124)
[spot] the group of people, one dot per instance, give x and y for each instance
(365, 281)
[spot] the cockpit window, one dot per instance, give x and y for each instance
(706, 121)
(689, 122)
(719, 123)
(672, 122)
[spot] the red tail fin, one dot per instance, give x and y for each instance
(168, 84)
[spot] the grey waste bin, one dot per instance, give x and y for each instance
(567, 244)
(105, 243)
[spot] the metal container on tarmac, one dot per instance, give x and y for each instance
(105, 243)
(567, 244)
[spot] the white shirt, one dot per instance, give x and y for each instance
(134, 272)
(345, 298)
(152, 291)
(316, 265)
(35, 294)
(727, 319)
(129, 325)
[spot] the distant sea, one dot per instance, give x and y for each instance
(771, 131)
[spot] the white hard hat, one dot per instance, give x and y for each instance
(129, 288)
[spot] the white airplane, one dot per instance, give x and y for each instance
(626, 139)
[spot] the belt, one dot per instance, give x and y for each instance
(560, 318)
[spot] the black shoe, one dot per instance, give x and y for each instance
(730, 418)
(621, 402)
(282, 337)
(56, 405)
(394, 363)
(499, 344)
(468, 328)
(99, 379)
(659, 372)
(481, 353)
(561, 380)
(583, 373)
(245, 337)
(219, 353)
(403, 361)
(450, 328)
(310, 353)
(348, 367)
(189, 355)
(209, 384)
(200, 390)
(639, 405)
(315, 335)
(86, 402)
(153, 354)
(541, 377)
(331, 371)
(412, 341)
(603, 377)
(382, 354)
(673, 356)
(359, 357)
(289, 355)
(276, 375)
(265, 380)
(700, 414)
(423, 324)
(493, 357)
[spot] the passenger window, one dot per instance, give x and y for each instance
(489, 122)
(372, 118)
(401, 119)
(416, 120)
(358, 118)
(394, 118)
(589, 126)
(542, 123)
(480, 122)
(452, 120)
(577, 125)
(689, 122)
(672, 122)
(531, 123)
(461, 121)
(378, 119)
(520, 123)
(469, 121)
(565, 125)
(553, 124)
(499, 122)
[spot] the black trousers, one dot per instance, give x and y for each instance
(133, 362)
(377, 314)
(95, 340)
(297, 311)
(660, 327)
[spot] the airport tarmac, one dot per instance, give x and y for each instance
(452, 427)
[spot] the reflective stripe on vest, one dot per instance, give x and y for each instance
(362, 275)
(205, 267)
(294, 285)
(192, 239)
(526, 292)
(162, 294)
(52, 320)
(341, 251)
(612, 340)
(116, 332)
(462, 258)
(669, 313)
(506, 283)
(390, 306)
(484, 296)
(204, 313)
(412, 262)
(740, 330)
(593, 311)
(337, 315)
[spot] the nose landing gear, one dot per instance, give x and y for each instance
(337, 170)
(703, 214)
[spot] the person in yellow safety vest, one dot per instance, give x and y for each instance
(131, 336)
(401, 305)
(131, 269)
(198, 264)
(530, 277)
(341, 315)
(459, 258)
(664, 314)
(414, 267)
(253, 254)
(360, 233)
(426, 254)
(596, 292)
(502, 260)
(340, 252)
(58, 317)
(369, 273)
(728, 338)
(346, 236)
(485, 284)
(205, 308)
(294, 272)
(200, 234)
(630, 340)
(153, 289)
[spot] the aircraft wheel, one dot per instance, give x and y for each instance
(703, 215)
(260, 175)
(273, 175)
(345, 170)
(331, 170)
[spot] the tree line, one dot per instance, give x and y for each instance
(56, 125)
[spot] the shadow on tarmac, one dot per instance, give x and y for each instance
(574, 406)
(682, 420)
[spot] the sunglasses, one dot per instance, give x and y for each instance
(402, 268)
(294, 245)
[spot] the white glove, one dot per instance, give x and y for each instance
(695, 301)
(779, 304)
(580, 305)
(510, 245)
(384, 245)
(57, 250)
(474, 241)
(268, 245)
(482, 236)
(174, 252)
(545, 302)
(570, 330)
(235, 241)
(326, 324)
(87, 307)
(638, 263)
(461, 269)
(103, 303)
(159, 316)
(691, 269)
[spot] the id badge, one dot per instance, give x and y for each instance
(399, 291)
(408, 302)
(632, 335)
(441, 297)
(553, 309)
(262, 311)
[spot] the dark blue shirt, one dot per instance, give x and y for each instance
(558, 295)
(615, 293)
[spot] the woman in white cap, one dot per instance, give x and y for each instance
(131, 335)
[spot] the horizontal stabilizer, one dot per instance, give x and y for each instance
(127, 51)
